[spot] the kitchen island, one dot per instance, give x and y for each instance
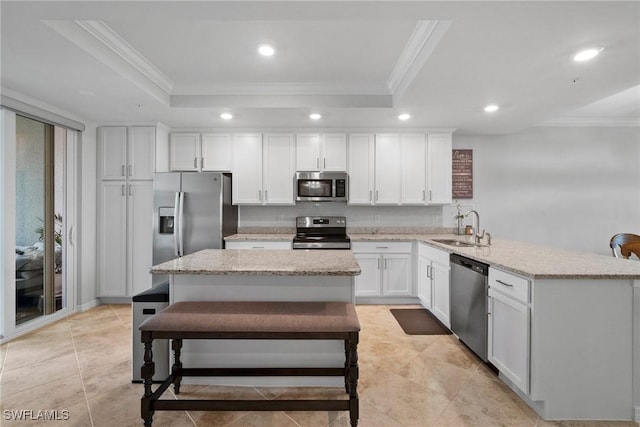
(262, 275)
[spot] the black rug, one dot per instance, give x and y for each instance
(418, 321)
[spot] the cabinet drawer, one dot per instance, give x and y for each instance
(381, 247)
(508, 284)
(436, 255)
(257, 245)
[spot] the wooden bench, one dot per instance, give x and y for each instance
(251, 321)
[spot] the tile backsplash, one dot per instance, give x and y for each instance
(357, 216)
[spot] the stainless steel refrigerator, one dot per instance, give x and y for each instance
(192, 211)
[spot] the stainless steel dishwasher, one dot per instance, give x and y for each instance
(469, 301)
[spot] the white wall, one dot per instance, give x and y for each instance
(569, 187)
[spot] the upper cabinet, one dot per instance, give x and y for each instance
(190, 151)
(439, 168)
(263, 170)
(321, 152)
(126, 152)
(399, 168)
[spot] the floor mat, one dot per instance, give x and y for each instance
(418, 321)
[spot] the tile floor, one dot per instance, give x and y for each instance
(81, 364)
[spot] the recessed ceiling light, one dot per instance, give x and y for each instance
(491, 108)
(226, 116)
(404, 116)
(587, 54)
(266, 50)
(315, 116)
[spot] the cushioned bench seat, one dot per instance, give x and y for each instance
(251, 320)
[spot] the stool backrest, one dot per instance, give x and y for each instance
(626, 243)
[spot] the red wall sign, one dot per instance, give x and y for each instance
(462, 179)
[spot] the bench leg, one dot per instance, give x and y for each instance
(147, 372)
(352, 361)
(176, 370)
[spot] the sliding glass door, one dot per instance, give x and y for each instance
(40, 212)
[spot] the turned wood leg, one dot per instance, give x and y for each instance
(176, 370)
(146, 372)
(354, 411)
(346, 366)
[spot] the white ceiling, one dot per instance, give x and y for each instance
(358, 63)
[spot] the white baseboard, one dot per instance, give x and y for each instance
(636, 418)
(87, 305)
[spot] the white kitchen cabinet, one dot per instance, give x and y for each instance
(247, 169)
(257, 244)
(439, 168)
(361, 168)
(126, 152)
(509, 326)
(388, 173)
(413, 168)
(190, 151)
(263, 171)
(278, 169)
(434, 282)
(321, 152)
(124, 237)
(386, 268)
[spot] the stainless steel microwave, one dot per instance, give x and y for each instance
(321, 186)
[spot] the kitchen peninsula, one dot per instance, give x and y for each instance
(262, 275)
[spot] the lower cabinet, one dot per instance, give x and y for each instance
(509, 326)
(125, 237)
(386, 269)
(433, 281)
(254, 244)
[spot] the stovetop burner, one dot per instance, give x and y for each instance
(329, 232)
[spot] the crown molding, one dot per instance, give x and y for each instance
(282, 101)
(105, 35)
(285, 88)
(423, 41)
(603, 122)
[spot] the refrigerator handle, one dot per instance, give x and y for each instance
(176, 219)
(181, 241)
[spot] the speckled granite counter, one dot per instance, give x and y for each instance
(533, 261)
(253, 237)
(260, 262)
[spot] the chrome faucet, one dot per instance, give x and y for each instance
(476, 235)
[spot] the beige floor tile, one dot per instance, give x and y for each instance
(76, 415)
(260, 419)
(3, 353)
(542, 423)
(107, 338)
(271, 392)
(121, 407)
(449, 349)
(369, 417)
(217, 418)
(59, 394)
(37, 352)
(50, 334)
(314, 418)
(102, 378)
(37, 374)
(404, 401)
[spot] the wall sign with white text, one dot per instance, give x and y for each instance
(462, 179)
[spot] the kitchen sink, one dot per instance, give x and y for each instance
(459, 243)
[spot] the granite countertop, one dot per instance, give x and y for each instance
(259, 262)
(248, 237)
(526, 259)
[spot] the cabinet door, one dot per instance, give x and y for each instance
(360, 168)
(509, 338)
(247, 169)
(368, 282)
(414, 172)
(424, 281)
(308, 152)
(387, 169)
(439, 168)
(141, 152)
(279, 169)
(184, 151)
(396, 274)
(440, 284)
(334, 155)
(215, 152)
(139, 235)
(112, 141)
(112, 241)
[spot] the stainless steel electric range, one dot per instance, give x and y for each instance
(321, 232)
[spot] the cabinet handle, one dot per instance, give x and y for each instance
(122, 189)
(382, 247)
(122, 170)
(385, 263)
(504, 283)
(324, 163)
(370, 195)
(428, 273)
(130, 170)
(429, 195)
(257, 247)
(195, 163)
(424, 197)
(201, 162)
(260, 195)
(130, 190)
(376, 195)
(266, 195)
(317, 162)
(378, 263)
